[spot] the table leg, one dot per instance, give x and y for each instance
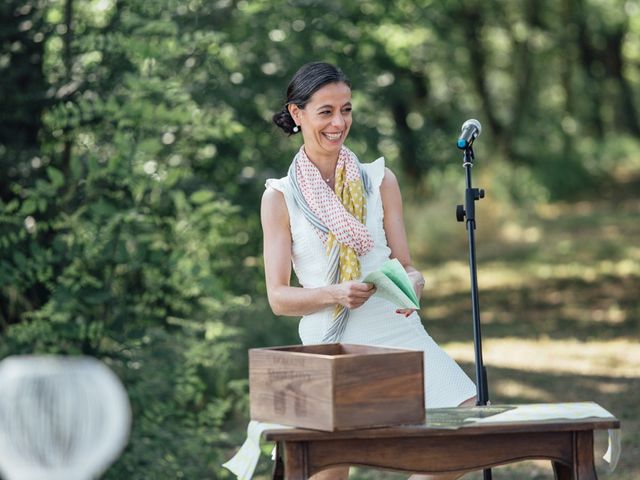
(278, 466)
(296, 466)
(562, 472)
(582, 467)
(583, 457)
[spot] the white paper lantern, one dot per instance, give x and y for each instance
(61, 418)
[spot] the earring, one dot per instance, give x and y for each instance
(296, 129)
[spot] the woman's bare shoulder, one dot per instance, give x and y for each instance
(273, 205)
(272, 195)
(389, 181)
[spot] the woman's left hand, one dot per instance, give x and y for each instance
(418, 285)
(418, 282)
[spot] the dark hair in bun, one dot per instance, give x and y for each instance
(305, 82)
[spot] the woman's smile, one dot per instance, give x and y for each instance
(333, 136)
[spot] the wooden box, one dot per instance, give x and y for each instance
(336, 386)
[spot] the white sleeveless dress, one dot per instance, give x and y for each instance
(375, 322)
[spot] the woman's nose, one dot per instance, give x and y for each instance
(338, 120)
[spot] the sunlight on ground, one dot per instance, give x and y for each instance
(512, 232)
(453, 277)
(616, 358)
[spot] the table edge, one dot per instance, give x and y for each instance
(422, 430)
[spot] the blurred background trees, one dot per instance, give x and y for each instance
(135, 139)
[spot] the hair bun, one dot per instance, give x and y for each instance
(284, 120)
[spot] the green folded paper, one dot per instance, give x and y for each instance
(393, 284)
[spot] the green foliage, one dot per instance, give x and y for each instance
(136, 275)
(119, 242)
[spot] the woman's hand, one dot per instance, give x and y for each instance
(418, 285)
(418, 282)
(353, 294)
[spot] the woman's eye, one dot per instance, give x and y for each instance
(326, 112)
(347, 110)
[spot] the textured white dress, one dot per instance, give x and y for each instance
(375, 322)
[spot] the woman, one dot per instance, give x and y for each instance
(336, 220)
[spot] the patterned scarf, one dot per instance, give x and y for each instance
(338, 217)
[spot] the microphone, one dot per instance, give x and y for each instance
(470, 130)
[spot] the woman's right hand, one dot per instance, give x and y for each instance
(353, 294)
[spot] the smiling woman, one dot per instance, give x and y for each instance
(336, 220)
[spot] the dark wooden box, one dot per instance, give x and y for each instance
(336, 386)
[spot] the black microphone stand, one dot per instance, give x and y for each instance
(469, 211)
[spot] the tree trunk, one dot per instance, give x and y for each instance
(472, 23)
(523, 74)
(23, 89)
(590, 65)
(566, 77)
(65, 161)
(627, 117)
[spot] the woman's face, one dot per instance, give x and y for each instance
(325, 120)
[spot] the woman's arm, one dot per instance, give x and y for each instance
(394, 228)
(283, 298)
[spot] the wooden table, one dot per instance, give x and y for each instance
(443, 445)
